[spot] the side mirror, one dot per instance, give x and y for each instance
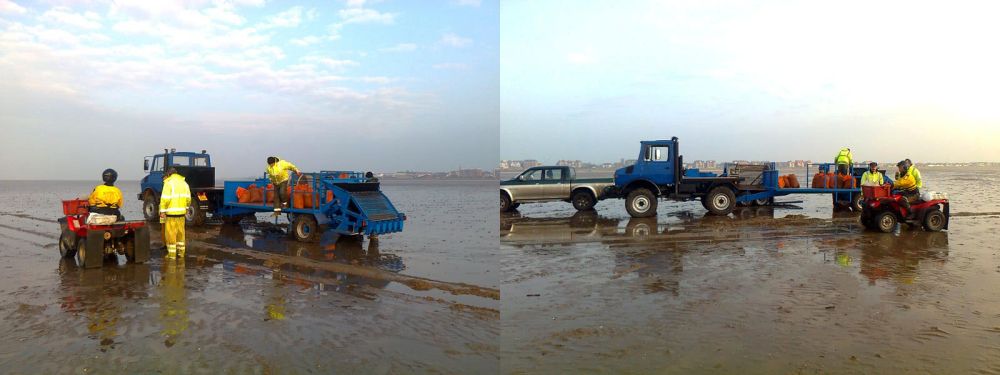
(145, 165)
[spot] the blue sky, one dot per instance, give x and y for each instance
(367, 85)
(759, 80)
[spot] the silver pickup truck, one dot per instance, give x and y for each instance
(553, 183)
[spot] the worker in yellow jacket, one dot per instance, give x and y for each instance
(277, 171)
(844, 160)
(174, 202)
(907, 186)
(107, 199)
(872, 177)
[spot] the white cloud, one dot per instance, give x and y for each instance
(306, 40)
(453, 40)
(362, 15)
(402, 47)
(64, 16)
(473, 3)
(330, 63)
(9, 7)
(289, 18)
(355, 3)
(451, 66)
(379, 80)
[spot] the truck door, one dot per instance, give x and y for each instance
(556, 184)
(155, 179)
(658, 164)
(528, 186)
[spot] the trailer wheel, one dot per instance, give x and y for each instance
(67, 244)
(721, 201)
(641, 203)
(934, 220)
(305, 228)
(194, 215)
(505, 203)
(856, 202)
(150, 208)
(885, 221)
(583, 200)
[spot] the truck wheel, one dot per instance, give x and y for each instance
(150, 208)
(583, 201)
(721, 201)
(885, 221)
(195, 216)
(505, 203)
(641, 203)
(67, 244)
(305, 229)
(856, 202)
(934, 220)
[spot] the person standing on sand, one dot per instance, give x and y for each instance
(174, 202)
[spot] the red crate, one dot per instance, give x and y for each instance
(75, 207)
(873, 192)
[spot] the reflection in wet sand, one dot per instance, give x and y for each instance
(173, 303)
(746, 293)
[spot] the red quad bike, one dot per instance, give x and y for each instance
(92, 244)
(882, 210)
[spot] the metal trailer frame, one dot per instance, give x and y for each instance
(358, 206)
(771, 189)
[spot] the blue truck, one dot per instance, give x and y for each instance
(659, 173)
(342, 202)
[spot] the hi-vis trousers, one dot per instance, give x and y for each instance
(173, 235)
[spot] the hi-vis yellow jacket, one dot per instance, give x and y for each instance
(106, 196)
(176, 196)
(279, 171)
(844, 157)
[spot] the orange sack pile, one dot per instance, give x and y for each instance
(302, 196)
(792, 181)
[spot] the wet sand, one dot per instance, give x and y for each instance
(797, 289)
(249, 300)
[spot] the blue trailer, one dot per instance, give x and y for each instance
(659, 173)
(342, 202)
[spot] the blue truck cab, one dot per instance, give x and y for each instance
(199, 174)
(659, 173)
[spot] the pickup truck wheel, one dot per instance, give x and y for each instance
(150, 208)
(721, 201)
(195, 216)
(583, 201)
(641, 203)
(505, 203)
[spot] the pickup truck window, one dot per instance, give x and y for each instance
(658, 153)
(200, 161)
(535, 175)
(181, 160)
(554, 174)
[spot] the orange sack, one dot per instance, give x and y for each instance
(302, 196)
(242, 195)
(256, 194)
(782, 182)
(845, 182)
(818, 180)
(831, 180)
(792, 181)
